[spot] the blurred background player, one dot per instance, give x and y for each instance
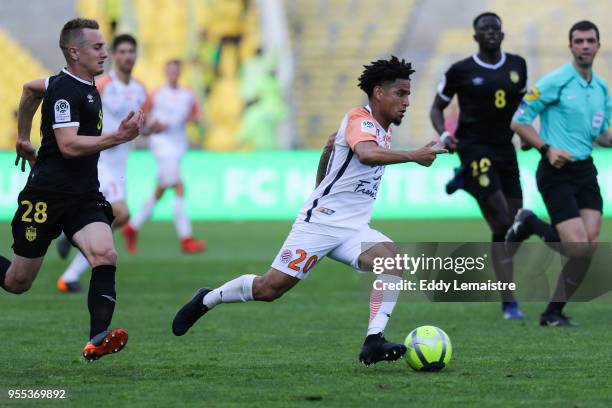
(172, 107)
(573, 103)
(334, 220)
(120, 93)
(489, 86)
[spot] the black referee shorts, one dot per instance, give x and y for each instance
(568, 190)
(42, 215)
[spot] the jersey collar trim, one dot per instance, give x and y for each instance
(499, 63)
(369, 109)
(65, 71)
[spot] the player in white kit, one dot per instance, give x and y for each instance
(120, 94)
(334, 221)
(173, 107)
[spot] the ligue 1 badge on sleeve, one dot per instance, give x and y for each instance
(30, 233)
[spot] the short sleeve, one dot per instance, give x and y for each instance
(606, 123)
(523, 76)
(360, 128)
(447, 87)
(545, 92)
(65, 107)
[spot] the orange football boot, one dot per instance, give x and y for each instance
(107, 342)
(68, 287)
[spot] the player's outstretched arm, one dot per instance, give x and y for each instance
(31, 96)
(324, 160)
(72, 145)
(436, 115)
(371, 154)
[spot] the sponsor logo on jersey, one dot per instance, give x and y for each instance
(367, 126)
(285, 256)
(62, 111)
(478, 81)
(533, 94)
(514, 77)
(90, 98)
(30, 233)
(325, 211)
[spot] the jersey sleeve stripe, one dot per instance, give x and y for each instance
(349, 157)
(64, 125)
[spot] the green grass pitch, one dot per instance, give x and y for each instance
(299, 351)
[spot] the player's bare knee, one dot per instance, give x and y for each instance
(103, 256)
(17, 286)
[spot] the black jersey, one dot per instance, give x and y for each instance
(69, 101)
(488, 98)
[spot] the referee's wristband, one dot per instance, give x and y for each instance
(544, 149)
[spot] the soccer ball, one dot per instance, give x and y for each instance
(429, 349)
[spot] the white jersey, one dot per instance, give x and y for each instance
(172, 107)
(346, 195)
(118, 100)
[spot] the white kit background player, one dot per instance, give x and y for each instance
(334, 221)
(120, 94)
(172, 106)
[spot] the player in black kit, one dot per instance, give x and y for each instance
(61, 193)
(489, 86)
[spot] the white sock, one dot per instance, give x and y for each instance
(77, 267)
(234, 291)
(145, 212)
(181, 220)
(382, 303)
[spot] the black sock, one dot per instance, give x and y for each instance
(502, 264)
(101, 298)
(554, 307)
(4, 265)
(572, 275)
(544, 230)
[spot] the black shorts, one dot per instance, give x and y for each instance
(485, 171)
(567, 190)
(42, 215)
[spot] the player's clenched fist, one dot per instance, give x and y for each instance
(426, 155)
(130, 126)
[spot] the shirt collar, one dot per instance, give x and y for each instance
(369, 109)
(583, 83)
(65, 71)
(483, 64)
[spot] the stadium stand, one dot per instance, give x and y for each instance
(331, 40)
(212, 37)
(18, 66)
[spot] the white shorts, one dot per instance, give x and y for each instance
(308, 243)
(112, 186)
(168, 168)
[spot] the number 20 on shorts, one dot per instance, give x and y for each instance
(302, 255)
